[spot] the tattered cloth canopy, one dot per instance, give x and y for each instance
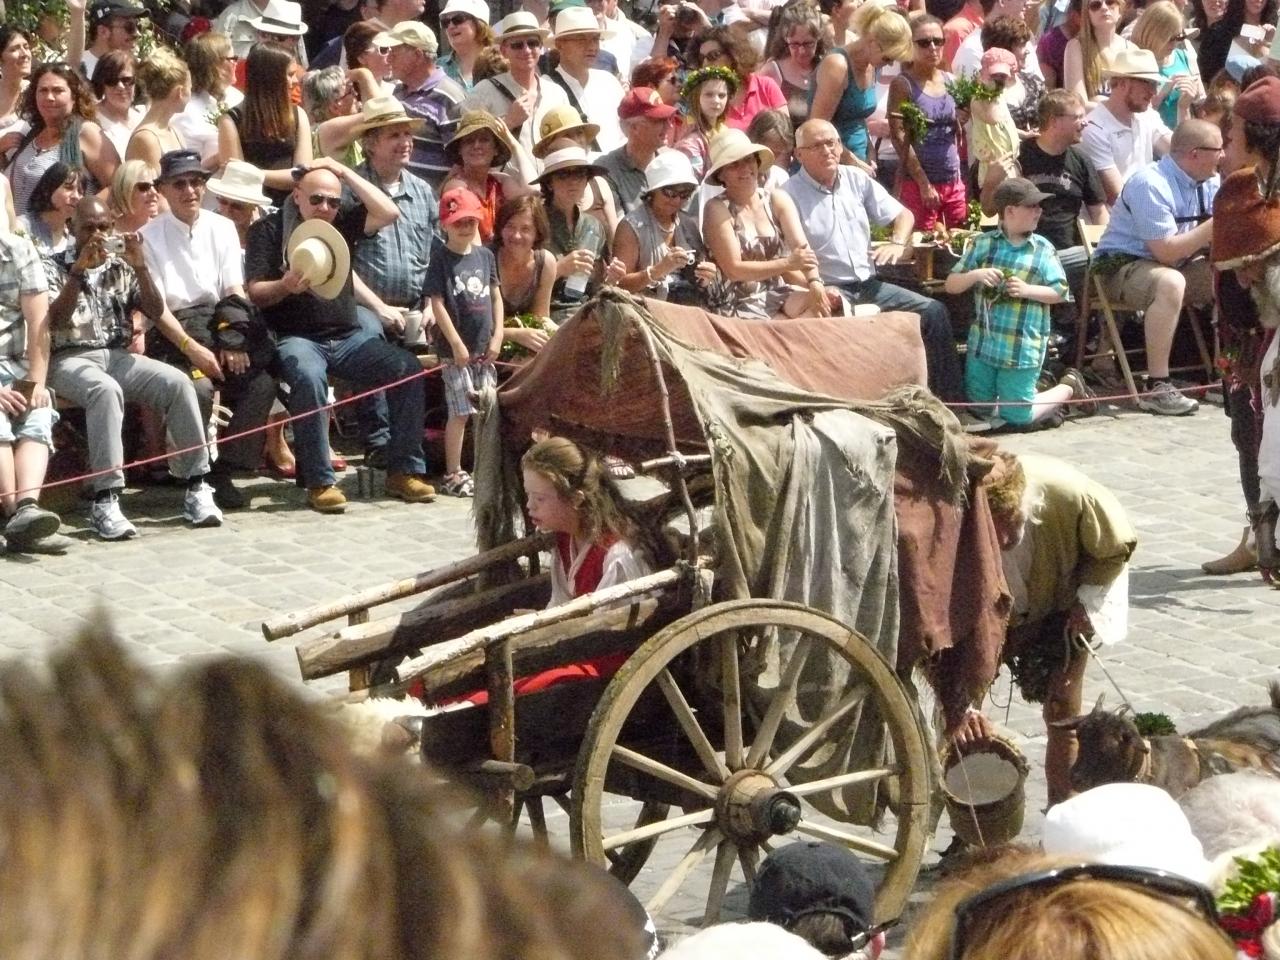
(804, 484)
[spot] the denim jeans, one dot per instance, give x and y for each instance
(367, 361)
(371, 412)
(943, 362)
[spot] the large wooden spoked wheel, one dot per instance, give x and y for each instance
(732, 799)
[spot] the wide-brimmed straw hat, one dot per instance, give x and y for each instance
(240, 182)
(473, 121)
(283, 17)
(386, 112)
(520, 24)
(560, 122)
(1132, 62)
(567, 158)
(317, 251)
(730, 146)
(669, 168)
(578, 22)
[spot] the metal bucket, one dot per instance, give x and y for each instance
(984, 789)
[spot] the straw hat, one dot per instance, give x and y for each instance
(567, 158)
(519, 24)
(578, 22)
(318, 252)
(1132, 62)
(240, 183)
(477, 9)
(670, 168)
(385, 112)
(283, 17)
(730, 146)
(561, 122)
(473, 121)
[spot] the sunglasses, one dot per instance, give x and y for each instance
(1096, 5)
(676, 193)
(121, 82)
(454, 21)
(1155, 882)
(234, 205)
(931, 42)
(529, 43)
(321, 200)
(186, 183)
(145, 186)
(381, 51)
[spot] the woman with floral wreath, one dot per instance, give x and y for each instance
(705, 94)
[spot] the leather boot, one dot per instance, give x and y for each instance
(1264, 529)
(1240, 560)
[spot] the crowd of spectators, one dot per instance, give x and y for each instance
(763, 160)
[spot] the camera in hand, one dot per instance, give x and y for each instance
(114, 245)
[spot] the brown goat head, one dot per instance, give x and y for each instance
(1110, 748)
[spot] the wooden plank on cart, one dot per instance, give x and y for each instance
(290, 623)
(363, 643)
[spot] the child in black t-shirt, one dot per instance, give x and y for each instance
(466, 302)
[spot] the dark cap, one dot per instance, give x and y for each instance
(808, 877)
(176, 163)
(1019, 192)
(104, 10)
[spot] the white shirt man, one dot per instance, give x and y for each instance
(1123, 134)
(597, 93)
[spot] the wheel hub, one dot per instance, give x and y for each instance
(751, 807)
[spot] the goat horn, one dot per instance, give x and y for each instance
(1097, 707)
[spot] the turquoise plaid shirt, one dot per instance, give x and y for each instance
(1012, 333)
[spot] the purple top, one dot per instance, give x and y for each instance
(1051, 49)
(939, 155)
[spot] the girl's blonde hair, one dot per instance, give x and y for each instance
(1077, 920)
(887, 27)
(127, 176)
(161, 73)
(1157, 25)
(573, 472)
(1090, 56)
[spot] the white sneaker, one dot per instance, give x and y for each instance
(109, 522)
(1166, 400)
(198, 508)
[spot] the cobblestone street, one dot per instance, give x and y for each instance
(1198, 646)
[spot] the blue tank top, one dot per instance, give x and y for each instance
(855, 106)
(938, 154)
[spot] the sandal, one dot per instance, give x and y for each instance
(619, 469)
(458, 484)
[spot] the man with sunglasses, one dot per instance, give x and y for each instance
(427, 94)
(319, 335)
(522, 96)
(112, 25)
(194, 256)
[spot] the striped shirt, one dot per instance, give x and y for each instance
(393, 261)
(21, 275)
(438, 103)
(1159, 201)
(1007, 332)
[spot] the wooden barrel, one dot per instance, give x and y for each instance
(984, 789)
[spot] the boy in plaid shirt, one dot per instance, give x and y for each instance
(1018, 276)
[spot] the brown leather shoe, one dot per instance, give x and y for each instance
(326, 499)
(410, 489)
(1240, 560)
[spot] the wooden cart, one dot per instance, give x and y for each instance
(681, 750)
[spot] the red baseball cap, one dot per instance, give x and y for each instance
(644, 102)
(459, 204)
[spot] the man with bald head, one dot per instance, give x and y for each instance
(319, 336)
(94, 294)
(838, 204)
(1152, 256)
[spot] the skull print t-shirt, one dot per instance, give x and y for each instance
(465, 281)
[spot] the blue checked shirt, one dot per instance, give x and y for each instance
(1157, 202)
(393, 262)
(1009, 333)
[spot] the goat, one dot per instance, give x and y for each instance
(1112, 751)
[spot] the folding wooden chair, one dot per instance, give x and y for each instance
(1110, 345)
